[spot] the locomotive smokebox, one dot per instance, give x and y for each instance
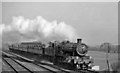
(79, 40)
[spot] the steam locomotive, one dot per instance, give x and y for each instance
(74, 54)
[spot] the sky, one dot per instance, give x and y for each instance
(94, 22)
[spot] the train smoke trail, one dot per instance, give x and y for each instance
(40, 29)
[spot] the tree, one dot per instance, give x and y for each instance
(106, 46)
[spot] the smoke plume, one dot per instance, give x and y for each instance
(38, 29)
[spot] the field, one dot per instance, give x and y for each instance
(100, 58)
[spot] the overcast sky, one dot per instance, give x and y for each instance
(95, 22)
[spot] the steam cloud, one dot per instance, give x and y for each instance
(39, 29)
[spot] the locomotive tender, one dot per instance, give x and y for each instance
(67, 52)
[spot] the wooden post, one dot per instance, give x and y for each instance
(54, 58)
(43, 49)
(107, 55)
(107, 61)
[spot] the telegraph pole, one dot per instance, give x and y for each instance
(107, 55)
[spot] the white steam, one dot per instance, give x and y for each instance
(40, 29)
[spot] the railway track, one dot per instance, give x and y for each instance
(43, 64)
(22, 68)
(13, 69)
(18, 68)
(49, 68)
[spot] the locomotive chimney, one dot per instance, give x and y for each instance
(79, 40)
